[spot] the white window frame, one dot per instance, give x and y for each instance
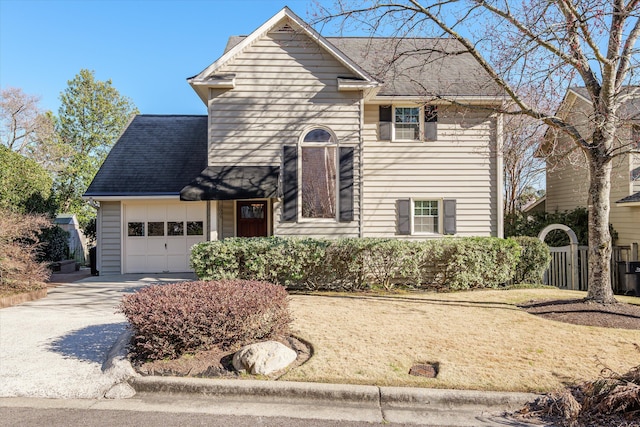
(420, 122)
(440, 222)
(335, 145)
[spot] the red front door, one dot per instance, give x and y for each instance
(251, 219)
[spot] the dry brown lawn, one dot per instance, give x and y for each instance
(481, 340)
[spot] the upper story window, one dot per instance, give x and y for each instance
(318, 174)
(635, 137)
(408, 123)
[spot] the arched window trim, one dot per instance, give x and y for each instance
(308, 130)
(333, 142)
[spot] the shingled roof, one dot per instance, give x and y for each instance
(630, 109)
(415, 66)
(156, 155)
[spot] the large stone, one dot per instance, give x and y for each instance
(263, 358)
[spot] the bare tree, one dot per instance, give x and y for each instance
(28, 130)
(522, 168)
(546, 44)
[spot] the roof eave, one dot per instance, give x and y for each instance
(107, 197)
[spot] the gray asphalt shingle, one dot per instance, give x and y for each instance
(156, 155)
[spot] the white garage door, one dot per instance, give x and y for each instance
(159, 236)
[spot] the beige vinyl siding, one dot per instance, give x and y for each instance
(567, 185)
(568, 179)
(567, 173)
(460, 165)
(227, 218)
(625, 219)
(285, 84)
(110, 238)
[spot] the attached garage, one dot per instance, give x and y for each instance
(158, 236)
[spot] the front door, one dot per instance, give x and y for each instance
(252, 219)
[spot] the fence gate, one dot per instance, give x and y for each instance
(568, 267)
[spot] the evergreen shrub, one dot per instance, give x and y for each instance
(173, 319)
(534, 260)
(357, 264)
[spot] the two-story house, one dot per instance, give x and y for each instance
(568, 175)
(307, 136)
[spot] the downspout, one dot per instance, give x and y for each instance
(500, 177)
(361, 169)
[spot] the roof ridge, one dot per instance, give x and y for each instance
(172, 115)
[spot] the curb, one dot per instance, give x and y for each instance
(255, 388)
(12, 300)
(384, 396)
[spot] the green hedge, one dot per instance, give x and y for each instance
(534, 260)
(356, 264)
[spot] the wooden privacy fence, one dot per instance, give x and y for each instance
(567, 271)
(569, 266)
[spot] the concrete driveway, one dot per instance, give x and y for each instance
(55, 347)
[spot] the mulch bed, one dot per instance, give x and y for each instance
(611, 400)
(216, 363)
(579, 312)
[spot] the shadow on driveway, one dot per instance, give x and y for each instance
(90, 344)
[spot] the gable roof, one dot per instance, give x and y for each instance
(630, 109)
(420, 67)
(155, 155)
(436, 67)
(207, 77)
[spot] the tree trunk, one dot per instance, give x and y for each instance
(600, 289)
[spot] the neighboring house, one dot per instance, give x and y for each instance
(568, 175)
(307, 136)
(77, 240)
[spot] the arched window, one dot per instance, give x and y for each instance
(319, 174)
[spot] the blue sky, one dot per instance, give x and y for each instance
(147, 48)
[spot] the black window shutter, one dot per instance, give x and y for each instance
(384, 127)
(346, 184)
(289, 183)
(449, 215)
(403, 209)
(430, 123)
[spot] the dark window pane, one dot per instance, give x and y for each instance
(175, 228)
(135, 229)
(195, 228)
(155, 229)
(319, 182)
(318, 135)
(254, 211)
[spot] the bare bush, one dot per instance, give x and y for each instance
(19, 269)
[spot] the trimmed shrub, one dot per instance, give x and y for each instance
(173, 319)
(357, 264)
(534, 260)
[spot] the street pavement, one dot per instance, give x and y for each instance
(61, 355)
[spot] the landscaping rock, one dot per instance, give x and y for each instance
(263, 358)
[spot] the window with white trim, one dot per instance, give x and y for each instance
(426, 216)
(635, 137)
(408, 123)
(319, 174)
